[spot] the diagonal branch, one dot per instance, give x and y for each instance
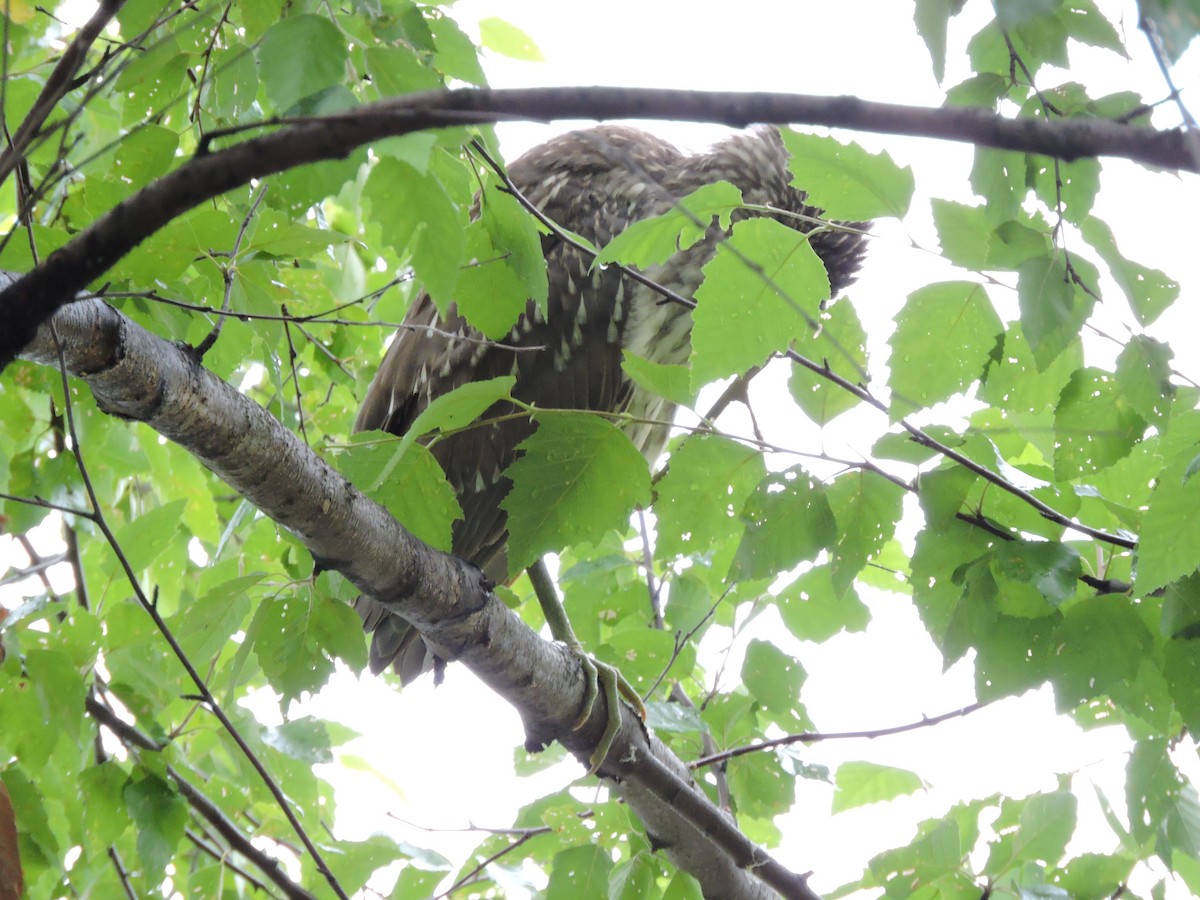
(34, 298)
(135, 375)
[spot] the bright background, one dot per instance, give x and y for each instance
(442, 758)
(457, 773)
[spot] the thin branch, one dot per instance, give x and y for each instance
(918, 435)
(59, 82)
(57, 279)
(812, 737)
(133, 737)
(228, 270)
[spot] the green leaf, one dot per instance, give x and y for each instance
(954, 314)
(298, 637)
(514, 233)
(1170, 535)
(455, 55)
(578, 477)
(405, 478)
(398, 70)
(774, 679)
(931, 18)
(708, 477)
(305, 739)
(813, 611)
(488, 292)
(1049, 571)
(964, 233)
(146, 537)
(1095, 876)
(863, 783)
(841, 348)
(787, 521)
(418, 217)
(1052, 310)
(653, 241)
(671, 381)
(846, 181)
(461, 406)
(160, 815)
(866, 507)
(508, 40)
(1144, 376)
(1099, 646)
(299, 56)
(1085, 23)
(1162, 806)
(580, 873)
(1175, 23)
(1149, 291)
(761, 291)
(1094, 424)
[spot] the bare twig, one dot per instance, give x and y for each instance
(812, 737)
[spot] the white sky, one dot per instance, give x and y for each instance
(450, 749)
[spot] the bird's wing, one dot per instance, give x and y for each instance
(594, 183)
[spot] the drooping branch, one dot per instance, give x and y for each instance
(34, 298)
(136, 375)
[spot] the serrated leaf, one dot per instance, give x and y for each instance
(1176, 24)
(408, 481)
(1052, 310)
(147, 536)
(862, 783)
(1085, 23)
(774, 679)
(787, 521)
(1149, 291)
(953, 314)
(1169, 545)
(1094, 424)
(931, 18)
(866, 507)
(671, 381)
(653, 241)
(743, 314)
(508, 40)
(578, 477)
(1046, 824)
(514, 233)
(964, 232)
(845, 181)
(304, 739)
(580, 873)
(1144, 375)
(708, 477)
(417, 217)
(1050, 569)
(841, 347)
(813, 611)
(299, 56)
(160, 815)
(488, 293)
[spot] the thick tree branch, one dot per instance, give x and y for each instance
(34, 298)
(136, 375)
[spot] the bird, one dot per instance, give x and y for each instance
(594, 183)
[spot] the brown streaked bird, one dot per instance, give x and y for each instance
(594, 183)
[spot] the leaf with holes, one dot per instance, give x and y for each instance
(578, 477)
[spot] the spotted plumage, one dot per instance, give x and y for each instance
(594, 183)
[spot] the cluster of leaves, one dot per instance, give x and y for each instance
(1056, 541)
